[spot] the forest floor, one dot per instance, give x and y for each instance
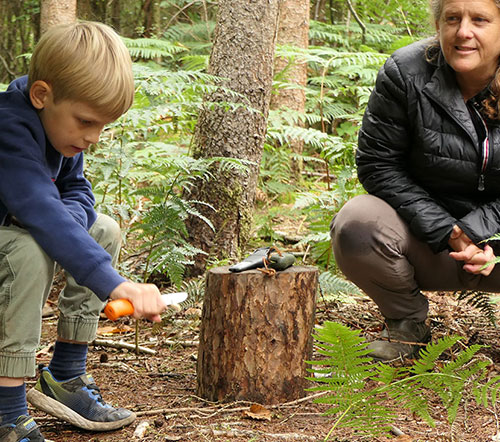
(161, 387)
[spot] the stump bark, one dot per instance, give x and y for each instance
(256, 334)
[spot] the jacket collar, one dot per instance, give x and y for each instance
(443, 89)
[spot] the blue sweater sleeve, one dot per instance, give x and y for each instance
(76, 191)
(57, 211)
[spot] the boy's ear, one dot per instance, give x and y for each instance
(39, 93)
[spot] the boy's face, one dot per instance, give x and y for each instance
(70, 126)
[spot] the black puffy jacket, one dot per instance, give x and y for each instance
(419, 151)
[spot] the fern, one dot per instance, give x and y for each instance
(348, 369)
(334, 287)
(195, 289)
(356, 386)
(275, 171)
(481, 301)
(151, 48)
(196, 36)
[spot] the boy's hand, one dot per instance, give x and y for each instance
(145, 298)
(473, 257)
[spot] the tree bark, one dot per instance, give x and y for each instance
(293, 30)
(54, 12)
(242, 56)
(19, 28)
(255, 335)
(152, 18)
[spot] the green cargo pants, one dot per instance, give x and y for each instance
(26, 275)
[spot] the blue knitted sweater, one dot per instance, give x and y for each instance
(48, 194)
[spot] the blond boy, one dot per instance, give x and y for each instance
(80, 79)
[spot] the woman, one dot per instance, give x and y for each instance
(429, 158)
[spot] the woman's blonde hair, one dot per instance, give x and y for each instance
(491, 104)
(85, 62)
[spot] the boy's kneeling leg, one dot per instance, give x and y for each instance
(26, 274)
(77, 399)
(79, 307)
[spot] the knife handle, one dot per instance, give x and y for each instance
(117, 308)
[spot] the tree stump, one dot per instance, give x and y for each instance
(256, 334)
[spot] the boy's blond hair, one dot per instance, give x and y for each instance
(85, 62)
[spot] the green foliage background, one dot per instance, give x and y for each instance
(142, 165)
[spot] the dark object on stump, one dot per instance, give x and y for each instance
(256, 334)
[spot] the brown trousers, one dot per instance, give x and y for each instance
(375, 249)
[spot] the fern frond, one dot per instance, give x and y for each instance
(481, 301)
(348, 368)
(195, 289)
(150, 48)
(489, 393)
(430, 354)
(332, 286)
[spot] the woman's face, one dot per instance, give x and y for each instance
(469, 33)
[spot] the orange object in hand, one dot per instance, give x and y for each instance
(123, 307)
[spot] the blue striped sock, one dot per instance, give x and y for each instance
(68, 361)
(12, 404)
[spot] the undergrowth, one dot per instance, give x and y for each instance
(367, 396)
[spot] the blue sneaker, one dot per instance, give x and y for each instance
(24, 430)
(77, 401)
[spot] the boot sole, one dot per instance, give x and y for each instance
(61, 411)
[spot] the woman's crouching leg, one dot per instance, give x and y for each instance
(370, 242)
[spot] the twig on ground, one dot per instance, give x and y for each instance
(121, 365)
(122, 344)
(396, 431)
(223, 408)
(193, 343)
(251, 433)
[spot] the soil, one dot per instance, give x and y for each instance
(161, 387)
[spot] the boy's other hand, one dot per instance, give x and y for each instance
(145, 298)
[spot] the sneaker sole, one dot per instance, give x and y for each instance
(55, 408)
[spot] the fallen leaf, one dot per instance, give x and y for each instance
(141, 429)
(258, 412)
(114, 330)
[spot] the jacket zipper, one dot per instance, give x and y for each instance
(485, 152)
(485, 144)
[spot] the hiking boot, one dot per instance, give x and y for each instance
(77, 401)
(400, 338)
(24, 430)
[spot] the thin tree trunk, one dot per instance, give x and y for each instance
(54, 12)
(293, 30)
(319, 9)
(116, 15)
(242, 55)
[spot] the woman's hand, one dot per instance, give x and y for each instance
(473, 257)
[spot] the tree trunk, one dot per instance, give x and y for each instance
(293, 30)
(54, 12)
(255, 334)
(116, 15)
(242, 55)
(19, 28)
(152, 18)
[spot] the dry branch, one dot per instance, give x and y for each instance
(121, 344)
